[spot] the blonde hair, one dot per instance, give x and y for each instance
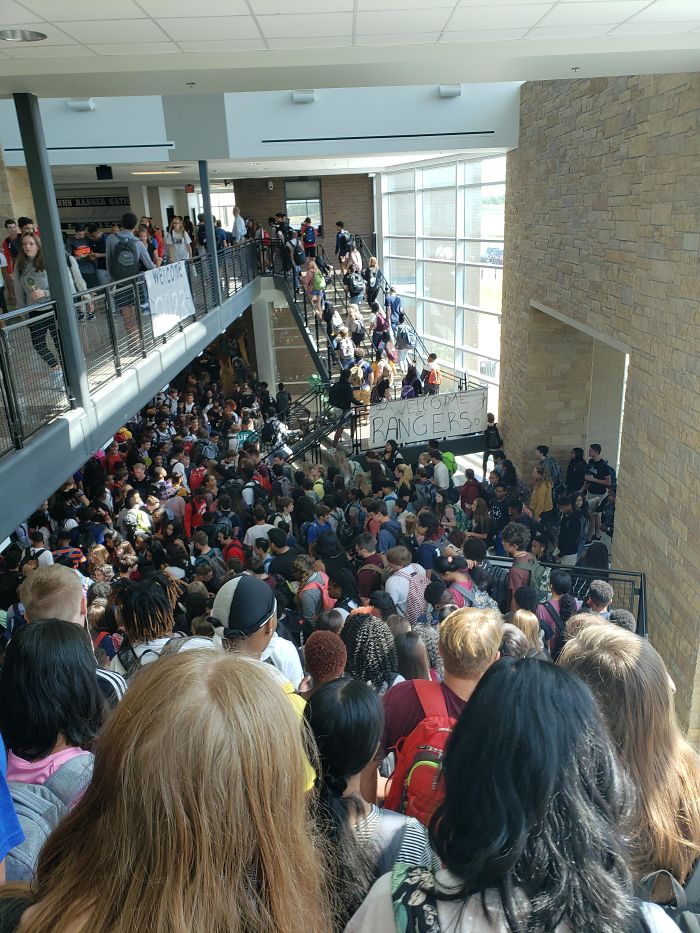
(196, 817)
(53, 592)
(373, 264)
(635, 694)
(529, 625)
(579, 621)
(469, 641)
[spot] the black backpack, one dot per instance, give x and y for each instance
(83, 538)
(334, 396)
(124, 261)
(357, 283)
(202, 235)
(685, 908)
(299, 254)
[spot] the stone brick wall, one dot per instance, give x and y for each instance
(15, 193)
(603, 225)
(343, 197)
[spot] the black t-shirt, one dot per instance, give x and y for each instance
(599, 469)
(80, 248)
(282, 563)
(100, 246)
(575, 473)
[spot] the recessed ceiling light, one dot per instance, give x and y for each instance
(21, 35)
(156, 173)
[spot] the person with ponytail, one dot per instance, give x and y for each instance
(346, 720)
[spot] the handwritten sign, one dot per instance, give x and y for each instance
(416, 420)
(169, 296)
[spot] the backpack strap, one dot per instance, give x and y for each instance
(692, 885)
(554, 615)
(431, 698)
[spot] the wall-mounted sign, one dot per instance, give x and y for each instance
(120, 200)
(189, 189)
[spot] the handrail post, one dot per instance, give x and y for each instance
(210, 229)
(14, 415)
(139, 315)
(44, 194)
(112, 328)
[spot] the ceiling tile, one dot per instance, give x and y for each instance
(310, 42)
(510, 16)
(142, 48)
(124, 30)
(418, 38)
(327, 24)
(402, 21)
(216, 27)
(174, 8)
(482, 35)
(54, 51)
(54, 35)
(57, 11)
(667, 11)
(567, 32)
(402, 4)
(590, 14)
(221, 45)
(272, 7)
(14, 13)
(637, 28)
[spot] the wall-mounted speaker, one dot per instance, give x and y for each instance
(104, 172)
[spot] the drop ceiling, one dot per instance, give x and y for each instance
(159, 46)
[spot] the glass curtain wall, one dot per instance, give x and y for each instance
(442, 231)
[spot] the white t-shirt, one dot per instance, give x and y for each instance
(179, 243)
(285, 658)
(45, 558)
(255, 532)
(397, 587)
(376, 915)
(441, 475)
(147, 653)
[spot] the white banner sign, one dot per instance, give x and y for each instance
(416, 420)
(169, 296)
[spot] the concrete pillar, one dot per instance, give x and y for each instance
(138, 200)
(15, 193)
(264, 341)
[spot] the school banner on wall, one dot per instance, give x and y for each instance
(417, 420)
(169, 296)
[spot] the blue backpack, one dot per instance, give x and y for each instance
(310, 235)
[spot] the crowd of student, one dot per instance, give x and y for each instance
(243, 694)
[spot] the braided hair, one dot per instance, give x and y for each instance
(371, 650)
(145, 607)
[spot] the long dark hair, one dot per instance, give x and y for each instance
(412, 656)
(538, 809)
(49, 688)
(347, 719)
(371, 649)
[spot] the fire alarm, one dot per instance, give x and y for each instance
(270, 186)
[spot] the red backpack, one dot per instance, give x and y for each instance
(416, 786)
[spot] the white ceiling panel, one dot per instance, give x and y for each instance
(483, 35)
(221, 45)
(144, 48)
(53, 51)
(399, 22)
(419, 38)
(273, 7)
(566, 32)
(57, 11)
(315, 42)
(123, 30)
(591, 14)
(167, 8)
(219, 27)
(369, 5)
(11, 13)
(669, 11)
(54, 35)
(635, 28)
(324, 24)
(509, 16)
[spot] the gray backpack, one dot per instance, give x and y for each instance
(40, 808)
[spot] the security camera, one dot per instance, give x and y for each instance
(270, 186)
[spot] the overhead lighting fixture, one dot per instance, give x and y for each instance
(21, 35)
(156, 173)
(81, 103)
(450, 90)
(304, 97)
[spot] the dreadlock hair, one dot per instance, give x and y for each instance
(145, 607)
(371, 649)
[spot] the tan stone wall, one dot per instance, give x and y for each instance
(603, 224)
(343, 197)
(15, 193)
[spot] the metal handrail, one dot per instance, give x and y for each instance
(115, 330)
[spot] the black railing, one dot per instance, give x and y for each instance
(629, 585)
(116, 330)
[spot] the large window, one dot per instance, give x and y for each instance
(303, 200)
(443, 250)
